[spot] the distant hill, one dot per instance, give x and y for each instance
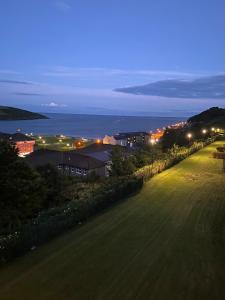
(205, 87)
(12, 113)
(214, 116)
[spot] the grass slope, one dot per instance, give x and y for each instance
(167, 242)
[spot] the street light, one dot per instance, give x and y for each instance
(204, 131)
(189, 136)
(213, 129)
(152, 141)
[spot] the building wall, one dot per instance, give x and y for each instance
(74, 171)
(109, 140)
(25, 147)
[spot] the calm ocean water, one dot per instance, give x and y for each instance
(89, 126)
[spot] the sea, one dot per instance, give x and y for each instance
(87, 126)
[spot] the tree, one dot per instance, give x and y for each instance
(20, 189)
(121, 164)
(53, 183)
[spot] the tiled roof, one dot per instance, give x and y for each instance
(71, 158)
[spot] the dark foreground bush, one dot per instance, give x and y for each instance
(54, 221)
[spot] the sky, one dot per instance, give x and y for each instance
(69, 55)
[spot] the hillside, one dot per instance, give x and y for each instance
(167, 242)
(205, 87)
(11, 113)
(214, 116)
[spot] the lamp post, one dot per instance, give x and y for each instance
(204, 131)
(189, 136)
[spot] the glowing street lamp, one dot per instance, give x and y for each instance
(152, 141)
(67, 145)
(213, 129)
(98, 141)
(204, 131)
(189, 136)
(43, 142)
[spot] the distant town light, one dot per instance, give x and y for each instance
(213, 129)
(40, 137)
(204, 131)
(67, 145)
(98, 141)
(43, 141)
(60, 141)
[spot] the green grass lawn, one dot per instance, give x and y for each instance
(168, 242)
(64, 143)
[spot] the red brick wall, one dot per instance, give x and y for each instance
(25, 147)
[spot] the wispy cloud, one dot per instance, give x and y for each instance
(62, 6)
(61, 71)
(9, 72)
(8, 81)
(53, 104)
(27, 94)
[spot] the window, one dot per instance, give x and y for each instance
(78, 171)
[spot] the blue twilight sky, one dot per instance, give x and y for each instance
(68, 55)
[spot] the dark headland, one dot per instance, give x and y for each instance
(11, 113)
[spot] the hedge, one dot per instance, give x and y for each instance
(170, 159)
(51, 223)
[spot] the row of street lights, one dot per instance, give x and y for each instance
(204, 131)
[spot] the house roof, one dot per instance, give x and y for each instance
(104, 156)
(94, 148)
(101, 152)
(124, 135)
(71, 158)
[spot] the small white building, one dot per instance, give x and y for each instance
(127, 139)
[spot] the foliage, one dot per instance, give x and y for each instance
(20, 188)
(52, 222)
(54, 184)
(170, 158)
(122, 164)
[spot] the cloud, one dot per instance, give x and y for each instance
(8, 81)
(53, 104)
(9, 72)
(62, 6)
(26, 94)
(61, 71)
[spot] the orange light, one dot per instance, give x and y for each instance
(98, 141)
